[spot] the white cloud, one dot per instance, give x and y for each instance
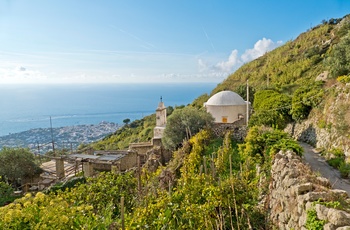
(227, 66)
(260, 48)
(234, 61)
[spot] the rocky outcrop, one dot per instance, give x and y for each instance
(327, 127)
(294, 190)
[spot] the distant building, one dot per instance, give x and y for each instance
(160, 121)
(227, 107)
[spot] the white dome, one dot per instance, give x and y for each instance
(226, 98)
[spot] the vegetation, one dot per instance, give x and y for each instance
(337, 161)
(6, 193)
(211, 183)
(271, 108)
(94, 205)
(183, 124)
(312, 222)
(136, 131)
(17, 163)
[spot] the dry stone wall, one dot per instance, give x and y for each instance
(294, 190)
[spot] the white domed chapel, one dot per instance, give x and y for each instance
(227, 107)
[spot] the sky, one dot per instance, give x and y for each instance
(129, 41)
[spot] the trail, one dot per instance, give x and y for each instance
(318, 164)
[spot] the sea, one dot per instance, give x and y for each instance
(25, 107)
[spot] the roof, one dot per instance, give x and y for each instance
(226, 98)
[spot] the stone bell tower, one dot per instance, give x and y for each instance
(160, 120)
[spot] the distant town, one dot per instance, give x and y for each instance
(70, 137)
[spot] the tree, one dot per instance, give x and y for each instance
(17, 163)
(183, 124)
(126, 121)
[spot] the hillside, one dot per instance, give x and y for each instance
(290, 70)
(216, 182)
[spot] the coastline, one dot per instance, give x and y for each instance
(39, 140)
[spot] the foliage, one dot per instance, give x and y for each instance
(67, 185)
(339, 59)
(304, 99)
(17, 163)
(312, 222)
(94, 205)
(6, 193)
(183, 124)
(344, 79)
(263, 141)
(344, 169)
(271, 108)
(199, 101)
(126, 121)
(335, 162)
(205, 195)
(136, 131)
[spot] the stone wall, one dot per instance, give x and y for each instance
(239, 129)
(294, 190)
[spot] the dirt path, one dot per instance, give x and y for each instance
(318, 164)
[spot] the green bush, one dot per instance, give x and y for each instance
(335, 162)
(344, 169)
(6, 192)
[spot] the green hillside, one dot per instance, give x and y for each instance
(211, 182)
(296, 63)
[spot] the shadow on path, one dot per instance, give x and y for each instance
(318, 164)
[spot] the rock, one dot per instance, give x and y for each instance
(322, 211)
(315, 196)
(338, 193)
(338, 218)
(329, 226)
(303, 188)
(344, 228)
(323, 181)
(322, 77)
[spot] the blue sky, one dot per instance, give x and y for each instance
(111, 41)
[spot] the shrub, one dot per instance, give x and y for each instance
(335, 162)
(344, 169)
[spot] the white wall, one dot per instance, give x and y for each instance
(231, 112)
